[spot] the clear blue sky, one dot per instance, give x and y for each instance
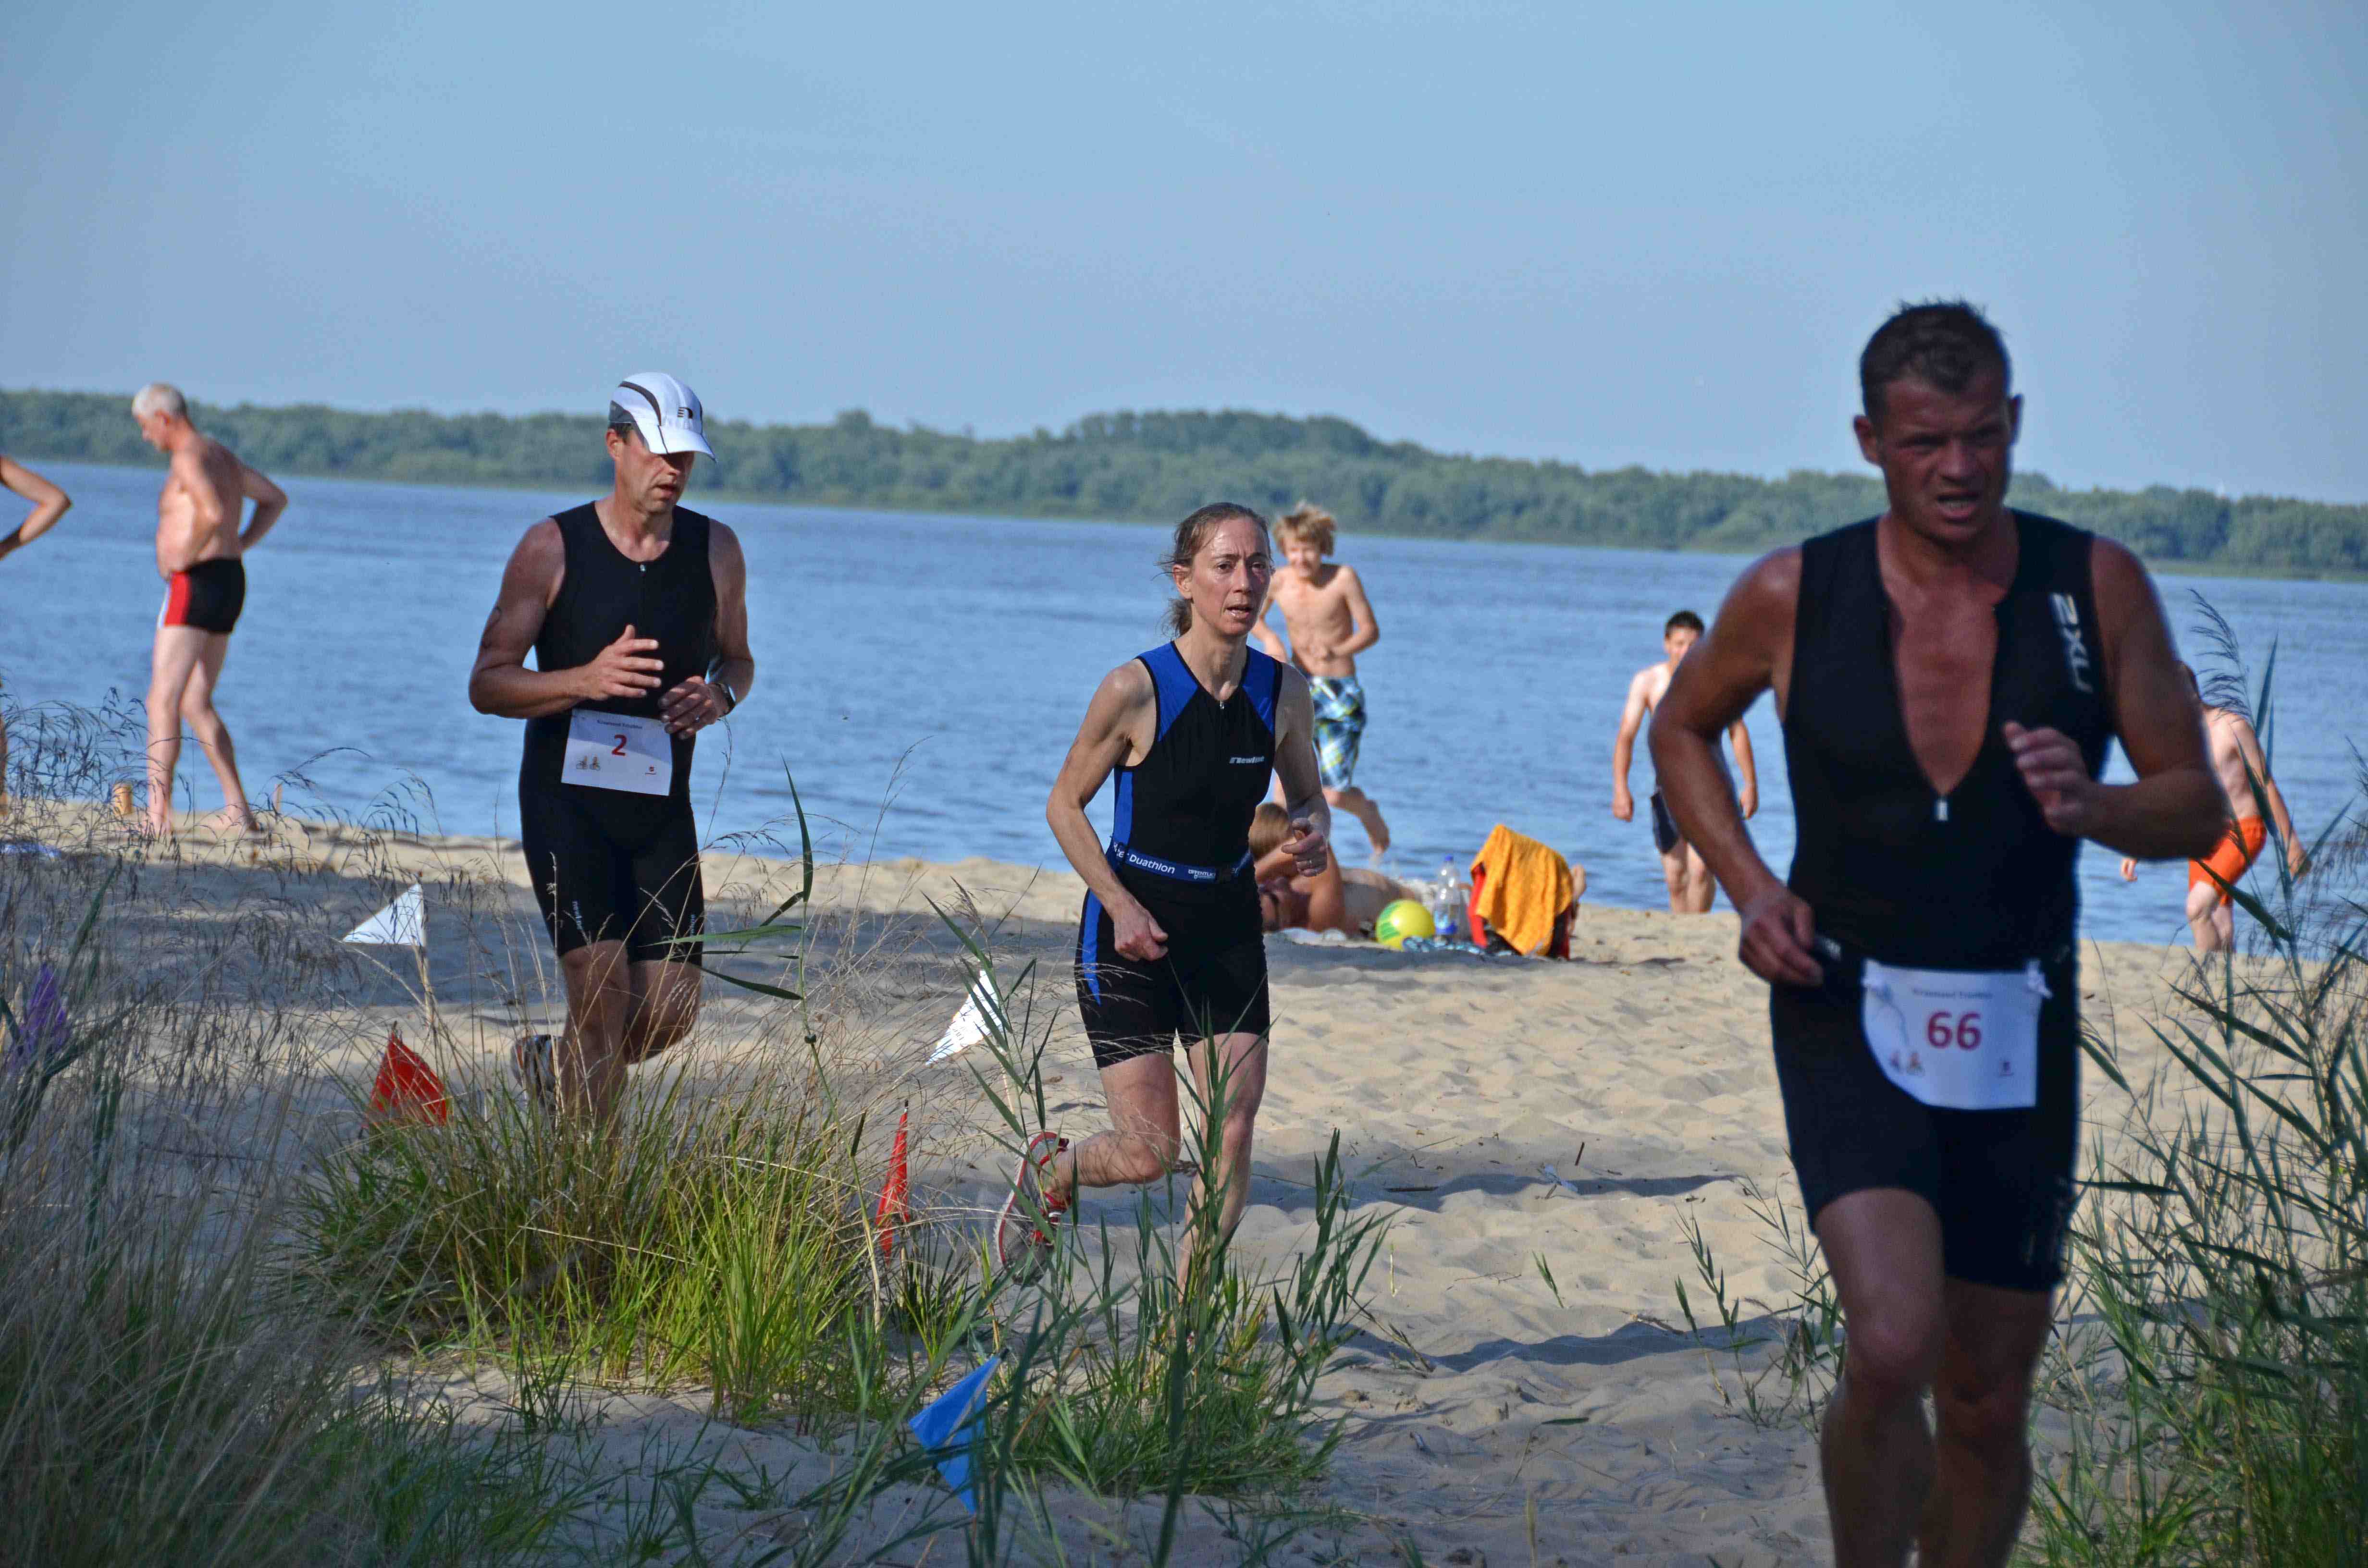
(1649, 234)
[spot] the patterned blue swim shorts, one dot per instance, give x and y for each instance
(1340, 727)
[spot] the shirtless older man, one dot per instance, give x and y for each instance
(198, 547)
(2244, 773)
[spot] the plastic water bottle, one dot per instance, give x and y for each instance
(1447, 912)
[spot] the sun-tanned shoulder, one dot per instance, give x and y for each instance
(1778, 571)
(723, 547)
(2115, 569)
(1129, 684)
(542, 544)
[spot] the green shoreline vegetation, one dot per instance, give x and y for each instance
(1157, 466)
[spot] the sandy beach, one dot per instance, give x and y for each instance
(1503, 1113)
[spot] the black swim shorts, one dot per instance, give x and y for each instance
(1212, 982)
(1665, 835)
(608, 868)
(208, 596)
(2000, 1180)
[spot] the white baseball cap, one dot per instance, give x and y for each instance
(665, 412)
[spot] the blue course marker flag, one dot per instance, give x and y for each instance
(42, 1032)
(944, 1429)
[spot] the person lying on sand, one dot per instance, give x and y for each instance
(1334, 899)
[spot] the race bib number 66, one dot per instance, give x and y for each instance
(1961, 1040)
(617, 751)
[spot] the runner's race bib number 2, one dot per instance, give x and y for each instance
(616, 751)
(1956, 1039)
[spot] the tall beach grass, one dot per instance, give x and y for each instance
(235, 1326)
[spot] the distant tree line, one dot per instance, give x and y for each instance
(1156, 467)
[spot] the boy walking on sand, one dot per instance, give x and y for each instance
(1324, 609)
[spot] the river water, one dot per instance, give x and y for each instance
(920, 677)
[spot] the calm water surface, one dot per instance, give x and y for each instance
(922, 676)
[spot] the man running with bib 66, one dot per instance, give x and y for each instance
(1948, 675)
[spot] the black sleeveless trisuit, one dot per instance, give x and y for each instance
(1180, 841)
(1975, 881)
(609, 864)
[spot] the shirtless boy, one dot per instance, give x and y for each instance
(1324, 609)
(1690, 887)
(198, 547)
(2244, 774)
(50, 503)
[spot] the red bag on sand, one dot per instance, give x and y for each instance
(407, 1090)
(894, 1210)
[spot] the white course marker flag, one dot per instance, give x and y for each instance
(402, 924)
(971, 1024)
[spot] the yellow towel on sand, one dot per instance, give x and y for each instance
(1526, 887)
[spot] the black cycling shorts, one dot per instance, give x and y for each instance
(1212, 980)
(2000, 1180)
(609, 868)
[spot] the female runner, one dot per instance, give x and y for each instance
(1171, 942)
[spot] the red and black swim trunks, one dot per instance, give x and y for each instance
(208, 596)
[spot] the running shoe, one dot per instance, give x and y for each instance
(531, 1065)
(1023, 1232)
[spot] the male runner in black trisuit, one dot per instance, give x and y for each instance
(637, 614)
(1948, 675)
(1170, 940)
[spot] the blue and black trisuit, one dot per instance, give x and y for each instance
(1973, 881)
(608, 865)
(1180, 842)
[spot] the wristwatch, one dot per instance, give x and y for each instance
(730, 699)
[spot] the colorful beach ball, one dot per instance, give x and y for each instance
(1400, 920)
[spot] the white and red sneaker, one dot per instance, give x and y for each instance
(1023, 1232)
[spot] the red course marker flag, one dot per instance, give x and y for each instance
(894, 1210)
(407, 1088)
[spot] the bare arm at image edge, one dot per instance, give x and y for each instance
(50, 503)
